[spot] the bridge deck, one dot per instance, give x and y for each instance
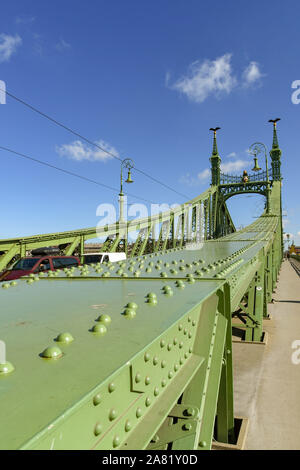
(267, 383)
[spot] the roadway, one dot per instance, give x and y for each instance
(266, 382)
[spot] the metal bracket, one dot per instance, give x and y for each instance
(173, 432)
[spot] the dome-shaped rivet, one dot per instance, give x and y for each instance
(190, 334)
(53, 352)
(202, 444)
(156, 391)
(139, 412)
(185, 331)
(162, 343)
(146, 357)
(99, 328)
(181, 361)
(194, 322)
(6, 368)
(170, 374)
(111, 387)
(175, 341)
(129, 313)
(98, 429)
(187, 427)
(189, 319)
(104, 319)
(148, 401)
(138, 377)
(97, 399)
(112, 414)
(169, 347)
(64, 338)
(128, 426)
(116, 441)
(180, 326)
(163, 382)
(155, 360)
(147, 380)
(163, 364)
(186, 355)
(176, 367)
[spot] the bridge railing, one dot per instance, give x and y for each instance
(259, 176)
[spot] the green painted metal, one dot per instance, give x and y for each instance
(137, 354)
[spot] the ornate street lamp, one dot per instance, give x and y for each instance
(128, 164)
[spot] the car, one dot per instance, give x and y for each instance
(36, 264)
(90, 258)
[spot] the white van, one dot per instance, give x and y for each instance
(90, 258)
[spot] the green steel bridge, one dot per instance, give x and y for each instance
(138, 354)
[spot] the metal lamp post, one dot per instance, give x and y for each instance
(128, 164)
(255, 149)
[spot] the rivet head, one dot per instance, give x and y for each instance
(180, 326)
(6, 368)
(129, 313)
(187, 427)
(64, 338)
(98, 429)
(175, 341)
(132, 305)
(186, 355)
(156, 391)
(162, 343)
(176, 367)
(112, 414)
(190, 411)
(116, 441)
(105, 319)
(97, 399)
(155, 360)
(138, 377)
(170, 374)
(128, 425)
(169, 347)
(146, 357)
(202, 444)
(163, 382)
(111, 387)
(163, 364)
(147, 380)
(139, 412)
(53, 352)
(148, 401)
(99, 329)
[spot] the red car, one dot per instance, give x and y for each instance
(26, 266)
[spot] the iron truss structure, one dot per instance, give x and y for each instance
(138, 354)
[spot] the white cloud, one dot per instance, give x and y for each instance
(235, 165)
(8, 46)
(211, 77)
(231, 155)
(204, 175)
(298, 233)
(79, 151)
(62, 45)
(252, 74)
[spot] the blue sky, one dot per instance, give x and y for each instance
(146, 80)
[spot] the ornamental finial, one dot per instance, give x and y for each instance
(215, 148)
